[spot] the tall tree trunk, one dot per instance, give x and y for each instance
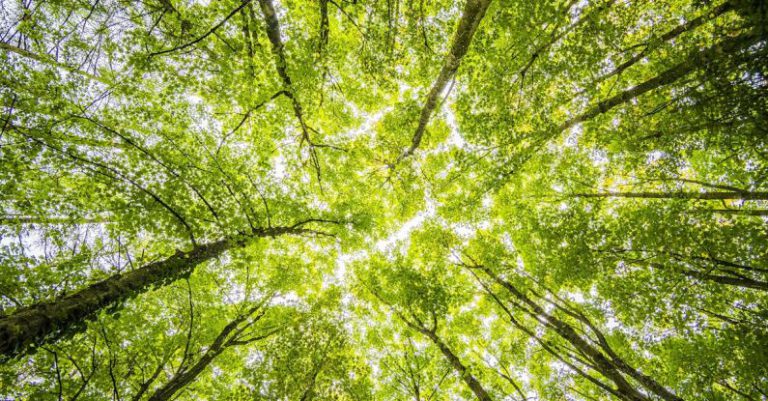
(454, 360)
(668, 36)
(608, 367)
(45, 322)
(324, 28)
(474, 11)
(678, 195)
(720, 271)
(459, 367)
(693, 62)
(281, 64)
(272, 25)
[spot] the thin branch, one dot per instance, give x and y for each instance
(205, 35)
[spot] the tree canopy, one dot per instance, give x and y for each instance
(384, 200)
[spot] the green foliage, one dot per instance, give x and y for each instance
(591, 183)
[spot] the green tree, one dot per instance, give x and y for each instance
(384, 200)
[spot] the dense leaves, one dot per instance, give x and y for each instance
(383, 200)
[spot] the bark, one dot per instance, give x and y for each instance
(668, 36)
(45, 322)
(224, 340)
(145, 386)
(474, 11)
(694, 62)
(324, 28)
(455, 362)
(273, 33)
(248, 42)
(645, 380)
(272, 25)
(723, 272)
(678, 195)
(307, 394)
(610, 368)
(544, 344)
(744, 282)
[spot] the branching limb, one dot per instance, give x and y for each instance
(205, 35)
(474, 11)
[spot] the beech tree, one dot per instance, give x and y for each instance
(384, 200)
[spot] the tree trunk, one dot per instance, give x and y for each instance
(272, 25)
(45, 322)
(744, 282)
(224, 340)
(670, 35)
(692, 63)
(465, 375)
(607, 367)
(474, 11)
(678, 195)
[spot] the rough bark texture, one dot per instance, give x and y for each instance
(273, 33)
(324, 28)
(45, 322)
(474, 11)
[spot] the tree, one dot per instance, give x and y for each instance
(383, 200)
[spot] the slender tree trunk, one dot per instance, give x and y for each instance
(306, 395)
(182, 380)
(281, 64)
(668, 36)
(454, 360)
(692, 63)
(678, 195)
(727, 276)
(45, 322)
(460, 369)
(744, 282)
(606, 366)
(273, 33)
(324, 29)
(145, 386)
(474, 11)
(224, 340)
